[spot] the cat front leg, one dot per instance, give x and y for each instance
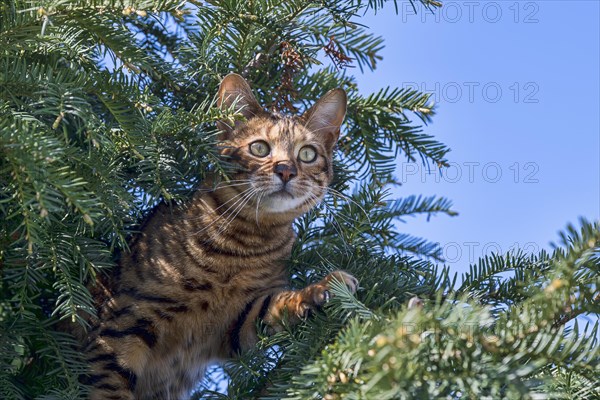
(296, 305)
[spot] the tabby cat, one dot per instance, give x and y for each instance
(199, 276)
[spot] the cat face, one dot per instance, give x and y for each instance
(285, 163)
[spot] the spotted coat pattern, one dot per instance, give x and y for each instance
(199, 275)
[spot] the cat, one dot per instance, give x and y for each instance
(198, 276)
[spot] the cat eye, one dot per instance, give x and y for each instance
(260, 148)
(307, 154)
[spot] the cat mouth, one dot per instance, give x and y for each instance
(283, 193)
(284, 200)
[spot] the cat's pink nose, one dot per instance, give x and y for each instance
(285, 171)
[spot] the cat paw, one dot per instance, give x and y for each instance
(316, 295)
(341, 276)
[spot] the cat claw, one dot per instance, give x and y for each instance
(321, 296)
(350, 281)
(352, 284)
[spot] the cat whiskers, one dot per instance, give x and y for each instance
(261, 183)
(246, 199)
(240, 197)
(342, 196)
(226, 184)
(260, 196)
(228, 201)
(314, 200)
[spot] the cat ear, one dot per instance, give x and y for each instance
(235, 91)
(325, 117)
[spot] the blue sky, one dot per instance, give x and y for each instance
(518, 101)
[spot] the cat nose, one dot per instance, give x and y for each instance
(285, 171)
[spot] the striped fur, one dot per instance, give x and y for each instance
(199, 276)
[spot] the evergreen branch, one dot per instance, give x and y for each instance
(428, 4)
(106, 108)
(411, 205)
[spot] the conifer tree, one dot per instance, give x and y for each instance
(107, 108)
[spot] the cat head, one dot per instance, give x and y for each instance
(284, 162)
